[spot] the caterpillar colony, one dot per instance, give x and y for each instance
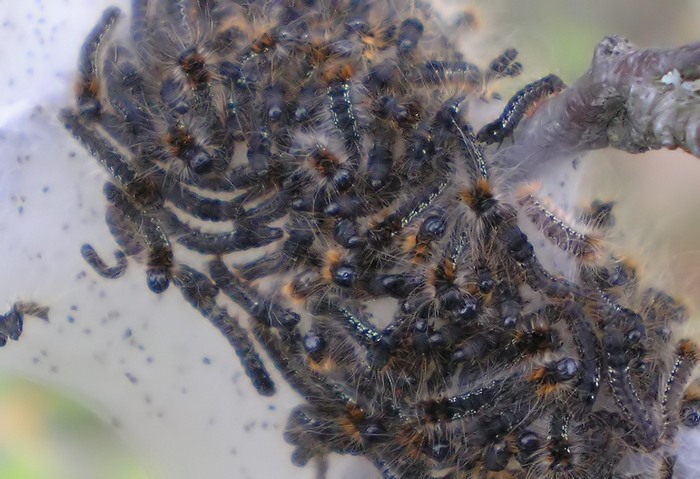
(317, 159)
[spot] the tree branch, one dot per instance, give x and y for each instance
(631, 99)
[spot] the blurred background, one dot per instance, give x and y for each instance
(123, 384)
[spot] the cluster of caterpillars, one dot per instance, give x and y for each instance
(330, 141)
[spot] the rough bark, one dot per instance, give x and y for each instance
(631, 99)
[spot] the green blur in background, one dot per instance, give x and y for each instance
(47, 435)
